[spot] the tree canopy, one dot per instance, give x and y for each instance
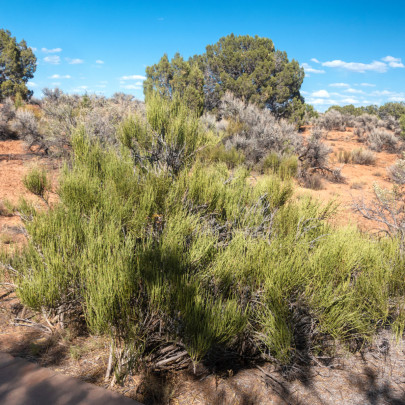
(17, 66)
(250, 67)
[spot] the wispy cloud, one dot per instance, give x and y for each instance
(367, 84)
(339, 85)
(53, 60)
(315, 60)
(393, 62)
(350, 100)
(80, 89)
(131, 87)
(390, 95)
(32, 84)
(321, 93)
(375, 66)
(56, 76)
(309, 69)
(354, 91)
(74, 61)
(54, 50)
(133, 77)
(100, 62)
(321, 101)
(33, 48)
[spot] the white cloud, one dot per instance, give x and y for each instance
(321, 101)
(391, 95)
(339, 85)
(382, 93)
(397, 98)
(374, 66)
(310, 69)
(350, 100)
(54, 50)
(354, 91)
(74, 61)
(60, 77)
(321, 93)
(80, 89)
(393, 62)
(133, 77)
(32, 84)
(367, 85)
(315, 60)
(100, 62)
(33, 48)
(53, 60)
(131, 87)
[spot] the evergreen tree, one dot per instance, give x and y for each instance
(176, 76)
(250, 67)
(17, 66)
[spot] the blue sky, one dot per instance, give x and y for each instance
(352, 51)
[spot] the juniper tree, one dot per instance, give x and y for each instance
(17, 66)
(249, 67)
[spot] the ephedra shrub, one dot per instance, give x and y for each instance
(179, 261)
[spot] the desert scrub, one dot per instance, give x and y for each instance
(218, 153)
(397, 171)
(286, 166)
(148, 250)
(379, 139)
(37, 182)
(363, 157)
(357, 156)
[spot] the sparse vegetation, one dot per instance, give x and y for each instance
(37, 182)
(363, 157)
(332, 120)
(256, 132)
(379, 139)
(357, 156)
(397, 172)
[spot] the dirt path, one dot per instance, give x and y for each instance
(24, 383)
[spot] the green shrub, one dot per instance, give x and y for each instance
(402, 125)
(199, 257)
(286, 167)
(271, 161)
(37, 181)
(218, 153)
